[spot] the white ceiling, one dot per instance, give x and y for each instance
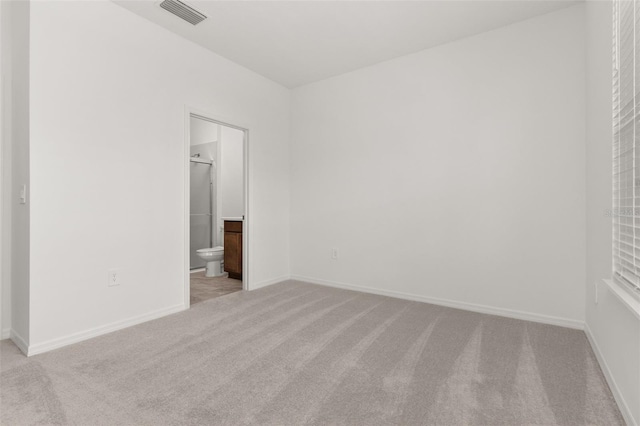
(299, 42)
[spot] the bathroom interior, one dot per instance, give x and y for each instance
(216, 209)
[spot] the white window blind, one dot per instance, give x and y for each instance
(626, 143)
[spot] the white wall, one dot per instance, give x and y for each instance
(15, 166)
(231, 167)
(5, 170)
(108, 168)
(455, 173)
(613, 328)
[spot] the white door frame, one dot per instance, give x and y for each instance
(246, 229)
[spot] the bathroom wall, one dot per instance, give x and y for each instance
(202, 131)
(207, 151)
(232, 178)
(108, 171)
(229, 175)
(454, 175)
(203, 136)
(201, 226)
(612, 327)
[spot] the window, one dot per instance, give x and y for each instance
(626, 144)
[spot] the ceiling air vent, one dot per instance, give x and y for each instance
(184, 11)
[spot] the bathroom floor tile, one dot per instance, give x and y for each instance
(205, 288)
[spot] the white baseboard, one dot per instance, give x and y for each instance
(19, 341)
(483, 309)
(98, 331)
(255, 286)
(6, 334)
(622, 404)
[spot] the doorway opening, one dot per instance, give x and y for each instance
(216, 256)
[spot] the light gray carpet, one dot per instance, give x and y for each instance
(294, 354)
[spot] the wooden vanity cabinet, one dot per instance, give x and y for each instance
(233, 248)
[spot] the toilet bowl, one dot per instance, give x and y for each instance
(214, 258)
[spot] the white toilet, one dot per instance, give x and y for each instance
(214, 258)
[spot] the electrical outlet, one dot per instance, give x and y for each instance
(334, 253)
(113, 277)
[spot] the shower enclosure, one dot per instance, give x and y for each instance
(202, 208)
